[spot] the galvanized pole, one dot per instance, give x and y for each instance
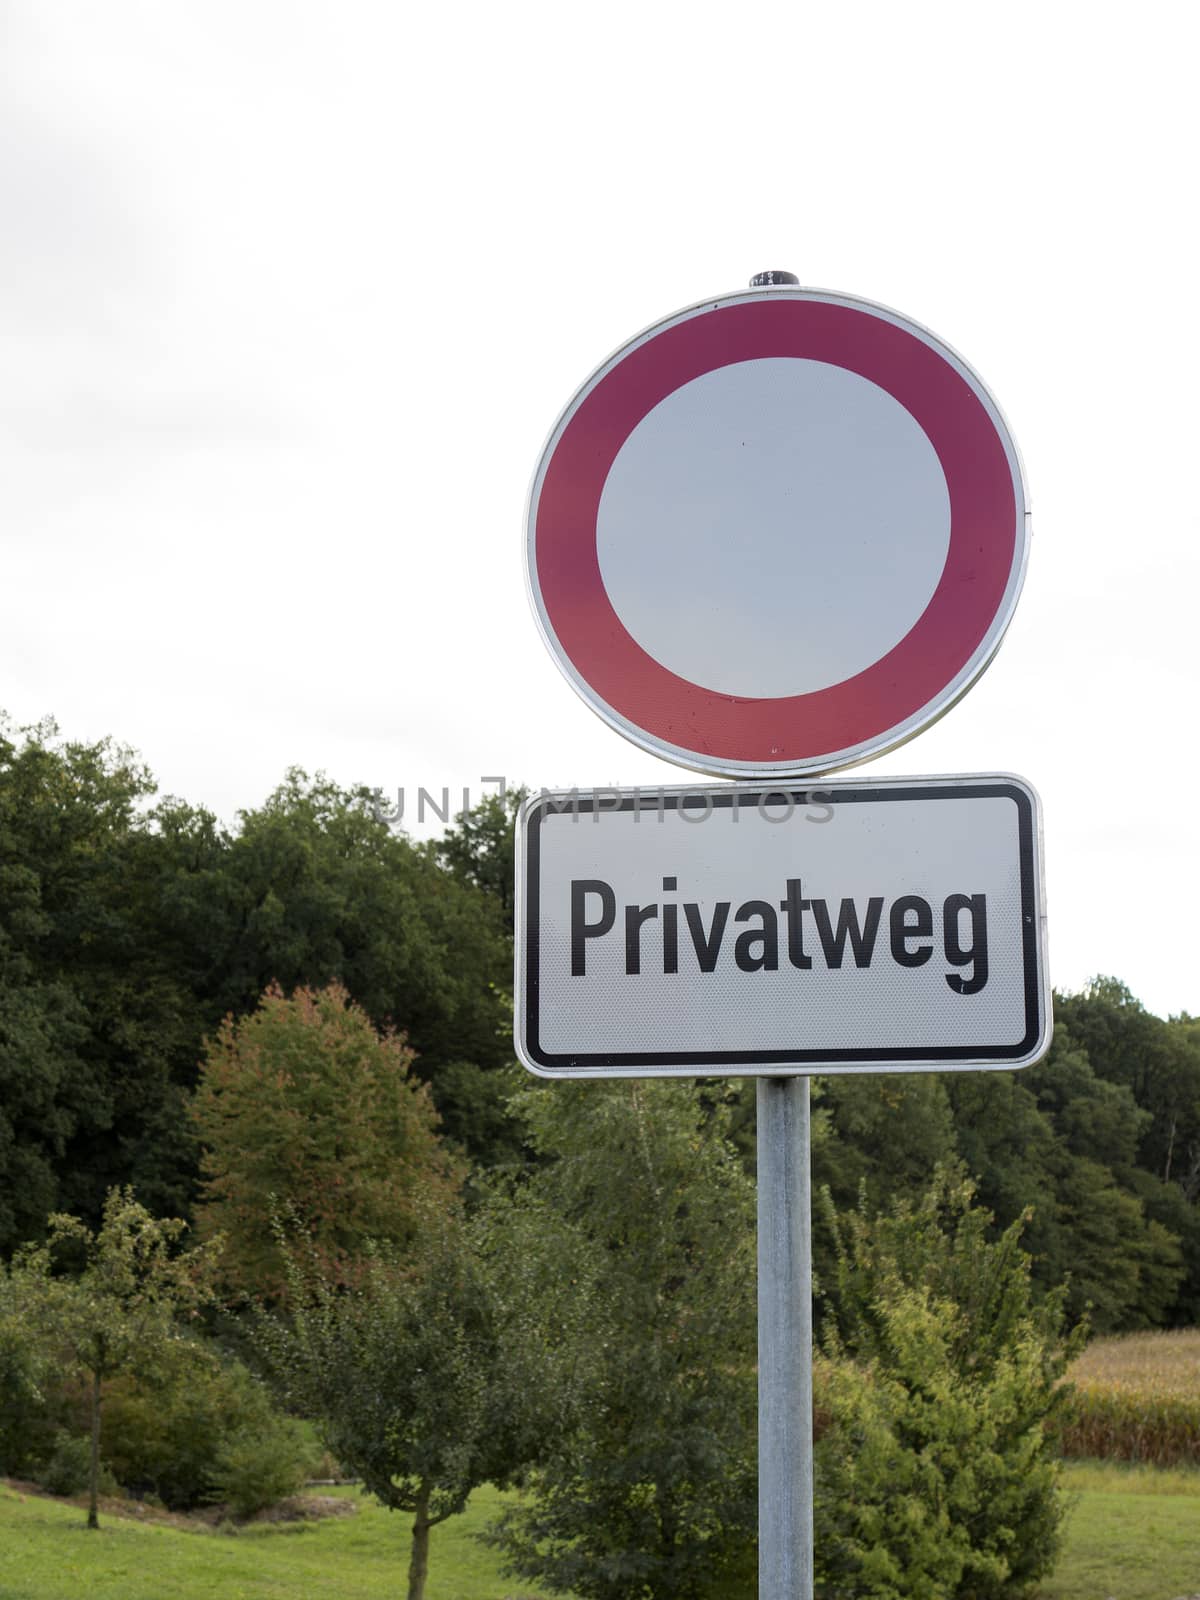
(785, 1452)
(785, 1449)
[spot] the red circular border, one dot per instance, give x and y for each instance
(876, 701)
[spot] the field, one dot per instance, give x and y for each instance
(1137, 1398)
(1152, 1363)
(1134, 1533)
(46, 1553)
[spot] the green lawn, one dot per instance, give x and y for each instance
(46, 1553)
(1134, 1533)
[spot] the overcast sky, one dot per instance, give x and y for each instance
(291, 294)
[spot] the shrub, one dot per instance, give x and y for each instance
(197, 1431)
(258, 1467)
(935, 1470)
(66, 1470)
(68, 1467)
(27, 1423)
(934, 1482)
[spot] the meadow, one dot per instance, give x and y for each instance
(1133, 1532)
(46, 1553)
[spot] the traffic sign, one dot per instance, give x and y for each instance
(893, 925)
(777, 533)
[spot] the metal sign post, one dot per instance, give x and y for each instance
(772, 536)
(785, 1439)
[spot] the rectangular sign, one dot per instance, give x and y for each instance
(886, 925)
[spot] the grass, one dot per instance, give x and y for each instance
(1136, 1398)
(46, 1553)
(1133, 1533)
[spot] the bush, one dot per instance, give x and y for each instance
(192, 1430)
(27, 1423)
(68, 1467)
(204, 1431)
(933, 1484)
(259, 1467)
(66, 1470)
(936, 1473)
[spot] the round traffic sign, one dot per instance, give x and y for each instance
(777, 533)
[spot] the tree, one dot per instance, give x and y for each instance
(315, 889)
(1157, 1061)
(42, 1101)
(121, 1311)
(326, 892)
(93, 1021)
(885, 1130)
(1182, 1157)
(129, 929)
(480, 849)
(647, 1489)
(1060, 1141)
(26, 1366)
(303, 1107)
(403, 1373)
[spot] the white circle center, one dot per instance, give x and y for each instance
(773, 527)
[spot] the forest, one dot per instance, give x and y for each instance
(271, 1062)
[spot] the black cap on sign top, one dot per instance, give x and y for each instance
(768, 280)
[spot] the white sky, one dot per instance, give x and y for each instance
(291, 294)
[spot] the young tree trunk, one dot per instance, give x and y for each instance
(93, 1519)
(418, 1566)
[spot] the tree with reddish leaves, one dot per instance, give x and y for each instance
(305, 1110)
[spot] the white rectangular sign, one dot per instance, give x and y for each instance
(887, 925)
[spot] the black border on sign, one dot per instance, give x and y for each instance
(703, 1062)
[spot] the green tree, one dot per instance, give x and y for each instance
(648, 1488)
(1061, 1142)
(313, 889)
(303, 1106)
(325, 892)
(403, 1374)
(1156, 1065)
(93, 1021)
(887, 1131)
(26, 1369)
(129, 929)
(936, 1471)
(1181, 1159)
(480, 849)
(1158, 1062)
(122, 1309)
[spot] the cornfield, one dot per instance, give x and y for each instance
(1135, 1398)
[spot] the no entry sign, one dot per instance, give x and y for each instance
(892, 925)
(777, 533)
